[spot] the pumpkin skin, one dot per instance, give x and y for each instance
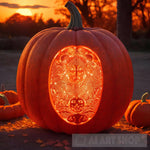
(138, 111)
(11, 96)
(10, 107)
(33, 77)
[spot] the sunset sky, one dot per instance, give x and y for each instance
(9, 7)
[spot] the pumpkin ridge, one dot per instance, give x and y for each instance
(127, 57)
(100, 49)
(62, 125)
(122, 52)
(33, 50)
(132, 121)
(122, 48)
(22, 67)
(44, 56)
(124, 65)
(112, 76)
(103, 47)
(24, 85)
(39, 36)
(129, 110)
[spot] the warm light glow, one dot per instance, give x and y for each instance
(75, 84)
(47, 13)
(24, 12)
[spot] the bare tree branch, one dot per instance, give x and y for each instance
(135, 5)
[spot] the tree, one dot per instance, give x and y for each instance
(51, 23)
(94, 12)
(142, 13)
(40, 23)
(124, 19)
(18, 25)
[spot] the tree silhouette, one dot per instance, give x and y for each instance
(52, 23)
(19, 25)
(124, 19)
(94, 12)
(142, 11)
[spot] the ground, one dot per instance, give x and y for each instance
(24, 134)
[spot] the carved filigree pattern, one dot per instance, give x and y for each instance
(76, 82)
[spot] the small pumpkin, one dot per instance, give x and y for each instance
(11, 96)
(10, 107)
(75, 79)
(138, 112)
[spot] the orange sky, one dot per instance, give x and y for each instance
(6, 12)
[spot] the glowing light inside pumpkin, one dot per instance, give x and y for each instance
(75, 84)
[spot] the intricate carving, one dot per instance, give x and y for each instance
(76, 82)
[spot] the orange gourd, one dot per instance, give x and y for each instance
(75, 79)
(10, 107)
(138, 112)
(11, 96)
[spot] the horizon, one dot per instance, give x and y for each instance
(45, 8)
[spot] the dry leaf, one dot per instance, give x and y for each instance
(24, 134)
(11, 135)
(66, 142)
(43, 145)
(50, 142)
(67, 148)
(58, 145)
(25, 141)
(39, 141)
(57, 141)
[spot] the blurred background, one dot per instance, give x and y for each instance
(128, 19)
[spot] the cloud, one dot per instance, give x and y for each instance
(11, 5)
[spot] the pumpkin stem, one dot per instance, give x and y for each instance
(75, 21)
(145, 96)
(4, 98)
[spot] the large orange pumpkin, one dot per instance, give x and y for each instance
(75, 79)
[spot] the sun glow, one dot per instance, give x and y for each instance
(24, 11)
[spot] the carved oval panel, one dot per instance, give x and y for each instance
(75, 84)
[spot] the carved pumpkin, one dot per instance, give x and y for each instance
(138, 112)
(10, 107)
(75, 79)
